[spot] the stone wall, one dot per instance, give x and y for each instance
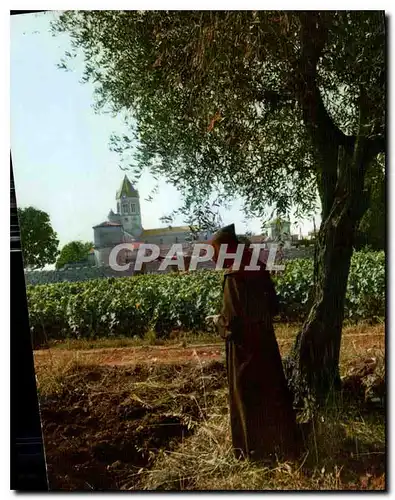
(299, 253)
(90, 273)
(72, 274)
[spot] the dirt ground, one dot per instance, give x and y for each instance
(135, 355)
(107, 412)
(356, 341)
(108, 422)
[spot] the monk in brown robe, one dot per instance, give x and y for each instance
(263, 422)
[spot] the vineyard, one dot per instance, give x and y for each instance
(133, 306)
(118, 413)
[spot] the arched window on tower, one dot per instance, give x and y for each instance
(125, 208)
(133, 208)
(118, 207)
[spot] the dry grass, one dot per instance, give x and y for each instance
(345, 453)
(346, 449)
(356, 336)
(52, 376)
(357, 341)
(150, 339)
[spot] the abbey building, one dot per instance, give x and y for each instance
(126, 226)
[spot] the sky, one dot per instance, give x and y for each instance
(60, 146)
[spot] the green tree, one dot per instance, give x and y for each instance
(75, 251)
(372, 229)
(270, 106)
(39, 240)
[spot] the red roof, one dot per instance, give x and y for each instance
(257, 239)
(108, 223)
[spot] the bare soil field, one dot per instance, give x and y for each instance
(156, 417)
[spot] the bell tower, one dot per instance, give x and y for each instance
(128, 207)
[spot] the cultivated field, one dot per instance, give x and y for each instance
(124, 414)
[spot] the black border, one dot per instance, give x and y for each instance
(28, 467)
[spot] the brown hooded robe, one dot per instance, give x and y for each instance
(262, 418)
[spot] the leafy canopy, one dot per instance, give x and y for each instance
(372, 229)
(75, 251)
(39, 240)
(240, 103)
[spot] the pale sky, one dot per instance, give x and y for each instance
(61, 159)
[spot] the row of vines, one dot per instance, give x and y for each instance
(161, 303)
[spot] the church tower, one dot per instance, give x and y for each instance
(128, 208)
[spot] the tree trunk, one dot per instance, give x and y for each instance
(313, 365)
(314, 360)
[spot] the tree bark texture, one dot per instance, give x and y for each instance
(312, 367)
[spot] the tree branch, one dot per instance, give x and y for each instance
(324, 132)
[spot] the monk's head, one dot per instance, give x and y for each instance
(226, 235)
